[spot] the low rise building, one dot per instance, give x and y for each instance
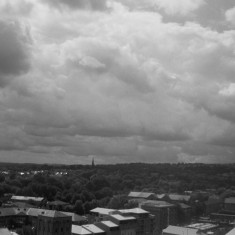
(127, 224)
(165, 213)
(146, 222)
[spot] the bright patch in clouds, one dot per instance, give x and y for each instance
(181, 7)
(111, 79)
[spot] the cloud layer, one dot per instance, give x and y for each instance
(114, 80)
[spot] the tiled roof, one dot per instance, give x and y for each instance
(179, 230)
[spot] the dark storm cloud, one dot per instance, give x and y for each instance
(97, 5)
(14, 53)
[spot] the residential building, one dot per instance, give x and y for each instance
(165, 213)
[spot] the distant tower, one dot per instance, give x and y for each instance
(93, 163)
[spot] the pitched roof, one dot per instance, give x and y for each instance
(102, 211)
(179, 230)
(140, 194)
(13, 211)
(230, 200)
(76, 229)
(48, 213)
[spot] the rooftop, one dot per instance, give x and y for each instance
(109, 224)
(4, 231)
(76, 229)
(140, 194)
(49, 213)
(230, 200)
(122, 218)
(231, 232)
(102, 211)
(180, 230)
(177, 197)
(202, 226)
(92, 228)
(134, 211)
(154, 203)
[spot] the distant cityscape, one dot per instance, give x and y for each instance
(208, 211)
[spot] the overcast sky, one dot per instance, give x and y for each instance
(117, 80)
